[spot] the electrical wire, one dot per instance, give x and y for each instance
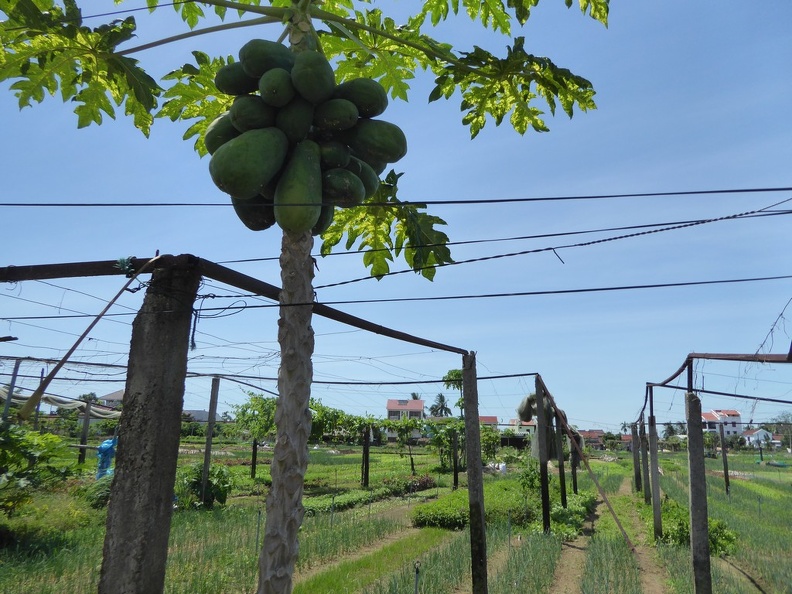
(418, 203)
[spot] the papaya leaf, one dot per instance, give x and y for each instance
(385, 227)
(47, 49)
(194, 96)
(495, 87)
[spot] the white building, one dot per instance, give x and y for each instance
(730, 419)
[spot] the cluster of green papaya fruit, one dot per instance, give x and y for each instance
(294, 145)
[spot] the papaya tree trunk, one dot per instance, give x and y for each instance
(292, 417)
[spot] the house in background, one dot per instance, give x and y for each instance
(730, 419)
(199, 416)
(113, 399)
(404, 409)
(522, 428)
(756, 438)
(488, 421)
(593, 438)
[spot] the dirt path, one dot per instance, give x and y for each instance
(653, 575)
(570, 566)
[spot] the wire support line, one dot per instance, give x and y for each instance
(416, 202)
(767, 213)
(730, 395)
(459, 297)
(567, 246)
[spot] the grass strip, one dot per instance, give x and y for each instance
(356, 574)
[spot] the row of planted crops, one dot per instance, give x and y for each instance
(406, 532)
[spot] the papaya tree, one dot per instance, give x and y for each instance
(47, 49)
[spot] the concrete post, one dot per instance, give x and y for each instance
(699, 530)
(141, 502)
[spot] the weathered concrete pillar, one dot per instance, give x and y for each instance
(141, 501)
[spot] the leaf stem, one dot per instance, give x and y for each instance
(329, 16)
(224, 27)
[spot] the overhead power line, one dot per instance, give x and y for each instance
(411, 202)
(454, 297)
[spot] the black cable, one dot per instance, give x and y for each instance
(459, 297)
(410, 203)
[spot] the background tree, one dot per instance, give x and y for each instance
(47, 49)
(440, 407)
(453, 381)
(490, 443)
(405, 430)
(669, 430)
(256, 418)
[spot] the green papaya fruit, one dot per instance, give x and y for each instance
(367, 94)
(367, 175)
(276, 87)
(334, 154)
(325, 220)
(249, 112)
(259, 55)
(295, 119)
(313, 76)
(298, 195)
(335, 115)
(220, 131)
(257, 213)
(375, 141)
(342, 188)
(231, 79)
(244, 165)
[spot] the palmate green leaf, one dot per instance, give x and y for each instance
(493, 87)
(194, 96)
(491, 13)
(385, 227)
(374, 55)
(49, 50)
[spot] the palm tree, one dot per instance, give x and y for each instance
(453, 381)
(440, 407)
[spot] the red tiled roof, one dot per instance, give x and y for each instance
(708, 416)
(405, 404)
(530, 423)
(591, 433)
(727, 412)
(488, 420)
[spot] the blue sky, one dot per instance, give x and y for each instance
(690, 96)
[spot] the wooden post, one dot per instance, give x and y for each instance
(725, 461)
(455, 456)
(209, 433)
(253, 458)
(636, 452)
(364, 478)
(655, 475)
(478, 534)
(699, 531)
(560, 449)
(38, 405)
(11, 386)
(647, 487)
(575, 460)
(141, 503)
(541, 436)
(84, 434)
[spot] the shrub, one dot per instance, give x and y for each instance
(97, 494)
(676, 529)
(503, 500)
(189, 486)
(27, 462)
